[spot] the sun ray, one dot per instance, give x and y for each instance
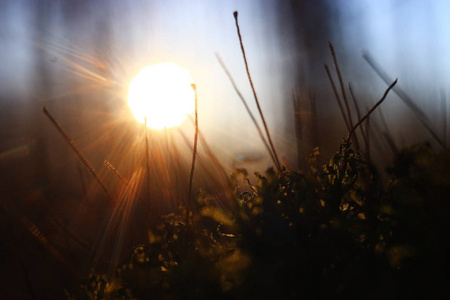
(116, 226)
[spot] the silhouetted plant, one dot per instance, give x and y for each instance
(331, 232)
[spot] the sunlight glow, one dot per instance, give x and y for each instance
(163, 94)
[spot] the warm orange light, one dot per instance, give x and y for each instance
(163, 94)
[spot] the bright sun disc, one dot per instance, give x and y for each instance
(163, 94)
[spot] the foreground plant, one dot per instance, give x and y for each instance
(302, 236)
(330, 232)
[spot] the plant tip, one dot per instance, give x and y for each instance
(235, 14)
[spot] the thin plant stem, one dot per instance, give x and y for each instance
(175, 164)
(371, 110)
(194, 155)
(210, 153)
(210, 173)
(260, 133)
(344, 94)
(387, 133)
(336, 93)
(114, 170)
(147, 156)
(64, 227)
(341, 82)
(367, 173)
(405, 98)
(277, 161)
(358, 112)
(77, 151)
(41, 238)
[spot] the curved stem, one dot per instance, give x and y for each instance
(277, 161)
(194, 155)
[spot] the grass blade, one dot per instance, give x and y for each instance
(341, 82)
(277, 161)
(405, 98)
(194, 156)
(77, 151)
(372, 109)
(147, 160)
(358, 113)
(344, 94)
(260, 133)
(336, 94)
(114, 170)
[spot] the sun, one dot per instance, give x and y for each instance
(163, 94)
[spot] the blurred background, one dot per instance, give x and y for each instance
(77, 58)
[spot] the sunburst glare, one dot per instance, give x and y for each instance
(161, 93)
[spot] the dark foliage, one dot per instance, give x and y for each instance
(330, 233)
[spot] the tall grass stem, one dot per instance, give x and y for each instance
(405, 98)
(277, 161)
(344, 94)
(341, 82)
(110, 166)
(194, 156)
(77, 151)
(372, 109)
(260, 133)
(338, 98)
(147, 160)
(358, 112)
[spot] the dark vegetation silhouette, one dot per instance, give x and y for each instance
(329, 231)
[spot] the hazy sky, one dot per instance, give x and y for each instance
(409, 38)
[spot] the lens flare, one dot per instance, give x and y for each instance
(163, 94)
